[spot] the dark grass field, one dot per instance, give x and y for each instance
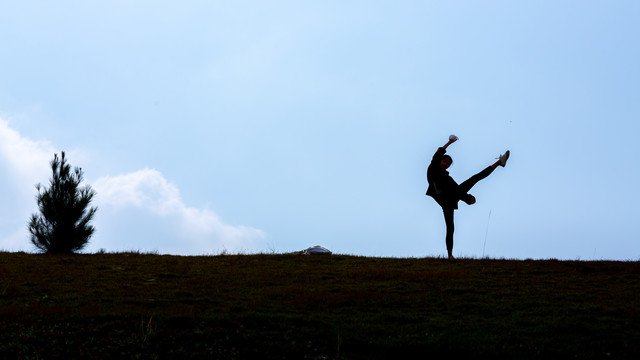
(133, 306)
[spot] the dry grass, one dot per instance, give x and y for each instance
(107, 306)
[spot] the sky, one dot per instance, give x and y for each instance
(210, 127)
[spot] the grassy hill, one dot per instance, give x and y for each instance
(135, 306)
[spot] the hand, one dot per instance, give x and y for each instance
(452, 139)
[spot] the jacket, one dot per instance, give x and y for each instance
(442, 187)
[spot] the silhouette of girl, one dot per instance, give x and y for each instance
(446, 192)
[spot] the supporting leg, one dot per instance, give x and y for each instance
(448, 220)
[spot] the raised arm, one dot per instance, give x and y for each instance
(435, 160)
(452, 139)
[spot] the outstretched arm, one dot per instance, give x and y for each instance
(452, 139)
(442, 150)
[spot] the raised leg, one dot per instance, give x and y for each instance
(468, 184)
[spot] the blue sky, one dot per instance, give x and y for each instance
(272, 126)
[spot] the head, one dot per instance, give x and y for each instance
(446, 162)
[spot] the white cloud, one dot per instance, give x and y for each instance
(27, 159)
(17, 241)
(198, 231)
(24, 163)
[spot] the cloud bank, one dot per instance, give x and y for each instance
(196, 231)
(137, 211)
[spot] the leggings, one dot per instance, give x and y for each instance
(462, 190)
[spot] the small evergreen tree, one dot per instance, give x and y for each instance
(63, 223)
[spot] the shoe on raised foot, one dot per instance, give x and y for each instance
(504, 157)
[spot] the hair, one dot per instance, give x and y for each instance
(448, 158)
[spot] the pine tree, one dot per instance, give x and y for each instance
(63, 223)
